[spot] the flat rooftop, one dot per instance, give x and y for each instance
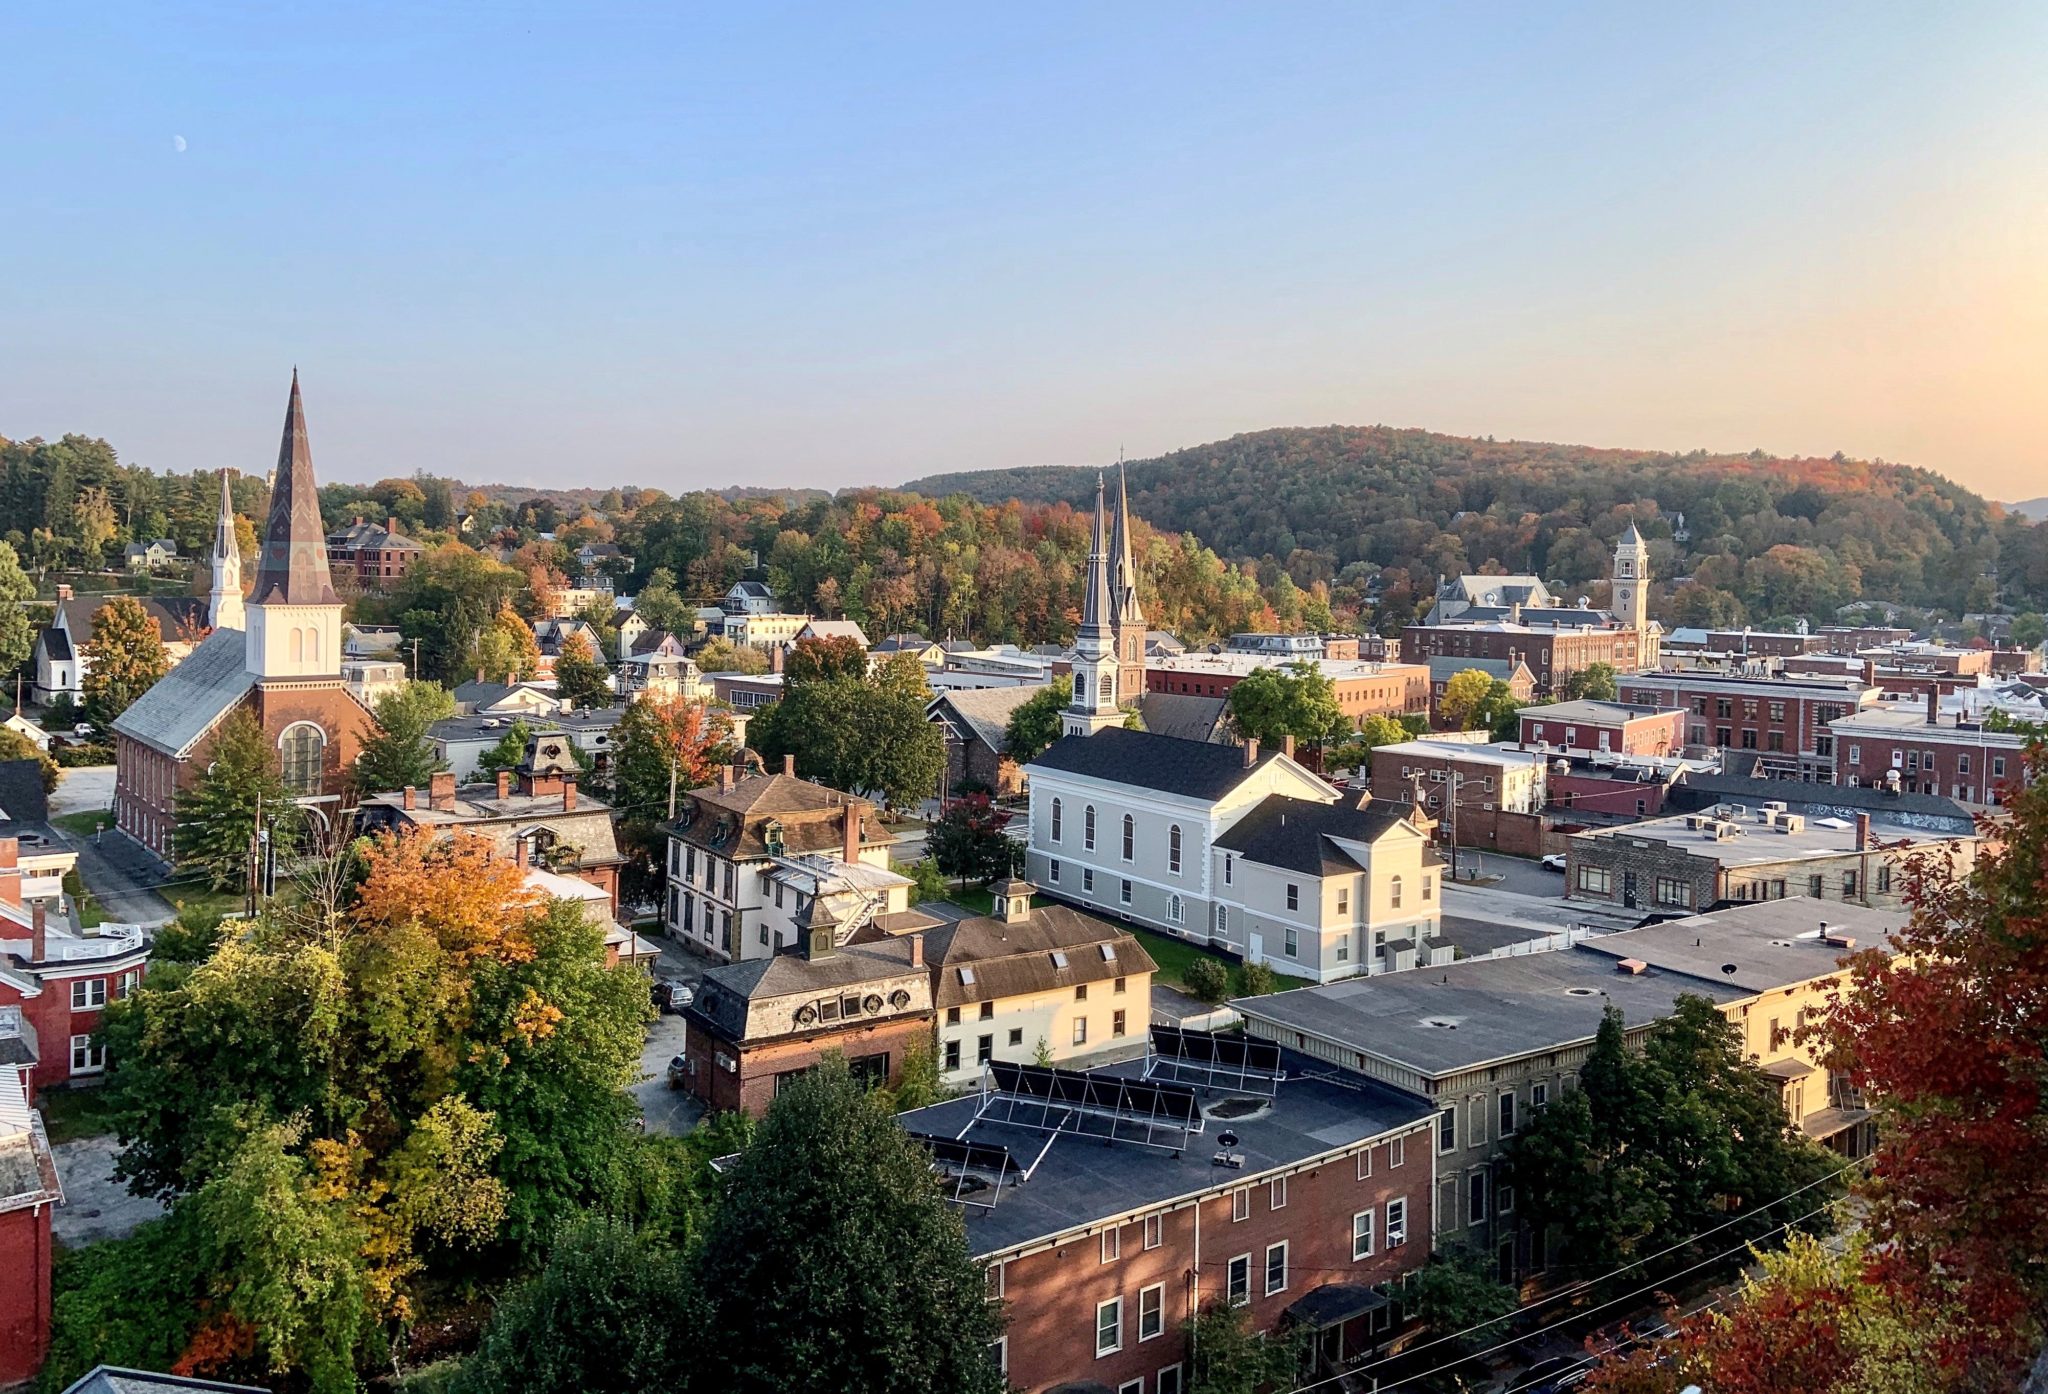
(1081, 1181)
(1761, 845)
(1239, 664)
(1594, 713)
(492, 727)
(1474, 752)
(1768, 943)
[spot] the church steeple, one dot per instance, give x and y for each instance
(224, 599)
(1094, 705)
(1129, 623)
(294, 616)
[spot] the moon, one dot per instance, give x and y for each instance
(178, 144)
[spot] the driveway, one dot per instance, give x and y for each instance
(666, 1110)
(83, 790)
(96, 1206)
(122, 875)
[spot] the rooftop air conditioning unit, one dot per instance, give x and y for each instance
(1696, 821)
(1724, 810)
(1727, 832)
(1792, 823)
(1776, 806)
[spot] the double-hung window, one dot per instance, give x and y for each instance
(1276, 1268)
(1109, 1327)
(1237, 1281)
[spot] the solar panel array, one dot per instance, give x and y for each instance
(1214, 1061)
(968, 1162)
(1114, 1108)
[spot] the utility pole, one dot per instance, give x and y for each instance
(671, 788)
(415, 659)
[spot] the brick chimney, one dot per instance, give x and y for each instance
(39, 931)
(411, 798)
(441, 791)
(504, 784)
(789, 765)
(1933, 703)
(391, 526)
(1251, 753)
(64, 591)
(850, 825)
(568, 793)
(1870, 672)
(775, 658)
(1287, 746)
(725, 777)
(1863, 832)
(479, 672)
(916, 949)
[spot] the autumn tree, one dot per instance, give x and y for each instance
(659, 604)
(1036, 723)
(581, 676)
(722, 655)
(661, 745)
(399, 752)
(1457, 709)
(240, 792)
(969, 840)
(506, 650)
(123, 659)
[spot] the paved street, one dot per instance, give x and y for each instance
(666, 1110)
(115, 869)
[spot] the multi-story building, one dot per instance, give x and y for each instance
(1488, 1043)
(1288, 648)
(772, 630)
(1362, 688)
(533, 815)
(61, 656)
(1745, 643)
(1512, 671)
(1304, 1201)
(1610, 727)
(1028, 983)
(29, 1191)
(1553, 651)
(1691, 862)
(56, 983)
(1922, 749)
(748, 598)
(371, 555)
(1853, 639)
(1467, 785)
(1785, 719)
(729, 840)
(756, 1026)
(976, 724)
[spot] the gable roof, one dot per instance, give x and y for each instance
(1295, 834)
(1191, 769)
(113, 1379)
(1012, 958)
(187, 701)
(1183, 715)
(984, 712)
(176, 616)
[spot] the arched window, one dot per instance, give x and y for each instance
(1088, 828)
(1173, 910)
(1173, 849)
(299, 750)
(1130, 837)
(1108, 686)
(1058, 819)
(298, 645)
(1394, 892)
(313, 644)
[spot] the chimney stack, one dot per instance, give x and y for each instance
(479, 672)
(1287, 746)
(725, 778)
(39, 931)
(1251, 753)
(441, 791)
(504, 784)
(916, 949)
(568, 793)
(391, 526)
(789, 765)
(1863, 832)
(775, 658)
(850, 822)
(1933, 702)
(411, 798)
(64, 591)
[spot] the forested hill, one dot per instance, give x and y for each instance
(1816, 532)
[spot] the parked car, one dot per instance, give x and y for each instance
(678, 1071)
(671, 995)
(82, 729)
(1555, 861)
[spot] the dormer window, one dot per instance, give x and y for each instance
(771, 836)
(1059, 958)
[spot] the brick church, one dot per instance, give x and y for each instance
(276, 655)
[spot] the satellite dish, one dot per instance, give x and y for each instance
(1226, 1138)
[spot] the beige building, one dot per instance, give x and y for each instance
(1028, 983)
(765, 631)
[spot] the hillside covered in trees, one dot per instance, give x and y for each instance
(1764, 537)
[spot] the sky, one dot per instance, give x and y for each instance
(693, 246)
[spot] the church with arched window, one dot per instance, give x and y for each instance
(275, 653)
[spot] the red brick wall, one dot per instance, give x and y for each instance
(752, 1086)
(1658, 734)
(1052, 1295)
(24, 1292)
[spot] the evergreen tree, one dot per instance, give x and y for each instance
(124, 659)
(886, 1297)
(581, 676)
(242, 787)
(398, 753)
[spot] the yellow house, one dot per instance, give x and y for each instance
(1046, 984)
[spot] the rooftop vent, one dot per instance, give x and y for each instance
(1582, 992)
(1634, 967)
(1438, 1023)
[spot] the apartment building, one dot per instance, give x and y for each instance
(1786, 719)
(1466, 784)
(1924, 750)
(1607, 727)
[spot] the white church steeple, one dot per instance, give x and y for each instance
(224, 600)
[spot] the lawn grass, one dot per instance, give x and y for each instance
(70, 1114)
(90, 915)
(84, 824)
(1175, 955)
(204, 901)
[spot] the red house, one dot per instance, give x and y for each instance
(28, 1191)
(1609, 727)
(55, 984)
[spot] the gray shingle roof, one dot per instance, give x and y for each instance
(1182, 715)
(1192, 769)
(986, 711)
(111, 1379)
(188, 700)
(1293, 833)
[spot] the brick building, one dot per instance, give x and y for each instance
(758, 1024)
(1318, 1218)
(976, 723)
(370, 556)
(1553, 652)
(1484, 795)
(1925, 750)
(1515, 673)
(1743, 852)
(1612, 727)
(54, 983)
(29, 1191)
(1363, 688)
(1853, 639)
(1786, 719)
(1744, 643)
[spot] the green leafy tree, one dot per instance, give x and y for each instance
(929, 881)
(969, 840)
(506, 650)
(124, 659)
(241, 791)
(866, 735)
(1207, 979)
(1458, 708)
(659, 604)
(447, 600)
(1499, 712)
(1457, 1291)
(509, 751)
(608, 1313)
(1298, 700)
(15, 746)
(398, 752)
(1593, 683)
(17, 637)
(132, 1302)
(1227, 1357)
(887, 1299)
(580, 675)
(2028, 630)
(722, 655)
(1036, 723)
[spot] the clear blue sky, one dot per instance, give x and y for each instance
(829, 245)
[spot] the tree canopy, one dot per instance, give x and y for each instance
(1269, 704)
(1036, 723)
(865, 734)
(581, 676)
(398, 752)
(124, 659)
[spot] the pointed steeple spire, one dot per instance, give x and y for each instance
(1097, 609)
(1124, 576)
(1632, 538)
(224, 598)
(292, 569)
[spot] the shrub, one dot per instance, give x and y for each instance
(1208, 980)
(1257, 979)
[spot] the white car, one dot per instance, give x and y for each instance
(1555, 861)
